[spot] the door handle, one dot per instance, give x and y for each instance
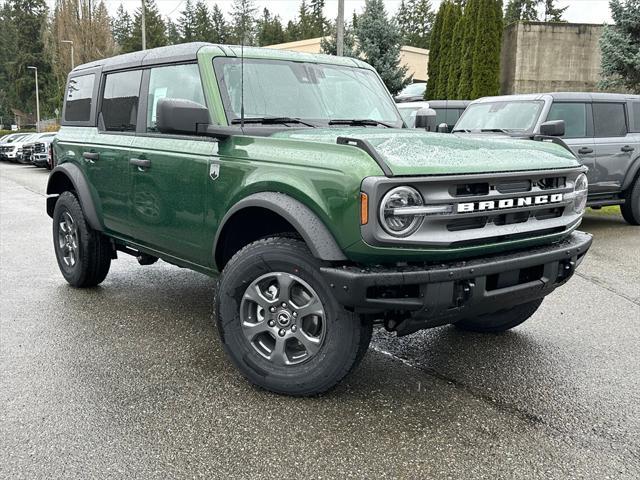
(627, 148)
(585, 150)
(140, 162)
(91, 156)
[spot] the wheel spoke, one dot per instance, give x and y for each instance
(312, 345)
(278, 354)
(284, 286)
(314, 307)
(253, 293)
(64, 227)
(250, 330)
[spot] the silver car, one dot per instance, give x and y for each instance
(602, 130)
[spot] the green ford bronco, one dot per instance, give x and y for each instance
(293, 176)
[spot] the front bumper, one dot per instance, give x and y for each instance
(416, 297)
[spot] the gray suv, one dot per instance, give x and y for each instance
(602, 130)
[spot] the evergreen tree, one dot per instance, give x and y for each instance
(553, 13)
(269, 29)
(379, 43)
(486, 51)
(319, 24)
(620, 47)
(328, 44)
(456, 54)
(451, 15)
(121, 25)
(522, 10)
(243, 22)
(415, 19)
(470, 18)
(173, 32)
(305, 23)
(155, 29)
(434, 54)
(203, 30)
(8, 35)
(186, 22)
(219, 24)
(291, 32)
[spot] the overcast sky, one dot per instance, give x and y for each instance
(579, 11)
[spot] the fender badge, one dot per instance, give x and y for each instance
(214, 171)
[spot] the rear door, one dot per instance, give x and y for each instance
(169, 173)
(614, 146)
(578, 135)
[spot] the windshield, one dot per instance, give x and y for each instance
(514, 115)
(414, 89)
(316, 93)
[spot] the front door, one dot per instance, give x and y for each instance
(170, 173)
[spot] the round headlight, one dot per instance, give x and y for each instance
(580, 191)
(400, 225)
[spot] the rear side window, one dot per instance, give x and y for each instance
(635, 107)
(609, 120)
(574, 116)
(78, 101)
(120, 101)
(174, 81)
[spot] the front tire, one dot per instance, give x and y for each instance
(500, 321)
(630, 209)
(280, 323)
(83, 254)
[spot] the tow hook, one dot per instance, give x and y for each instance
(463, 291)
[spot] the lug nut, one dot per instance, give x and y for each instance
(284, 305)
(295, 314)
(272, 309)
(271, 323)
(294, 328)
(282, 332)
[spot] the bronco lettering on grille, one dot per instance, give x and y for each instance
(509, 203)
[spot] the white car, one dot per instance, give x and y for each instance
(11, 146)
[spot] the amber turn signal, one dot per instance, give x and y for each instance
(364, 208)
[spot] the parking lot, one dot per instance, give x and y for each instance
(129, 380)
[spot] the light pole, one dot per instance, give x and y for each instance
(144, 27)
(35, 69)
(70, 42)
(340, 29)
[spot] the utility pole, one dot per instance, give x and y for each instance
(73, 63)
(35, 69)
(144, 27)
(340, 29)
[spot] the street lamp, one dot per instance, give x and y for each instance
(70, 42)
(35, 69)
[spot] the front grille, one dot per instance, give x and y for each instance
(6, 149)
(40, 148)
(486, 208)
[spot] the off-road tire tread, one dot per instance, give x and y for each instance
(95, 249)
(632, 199)
(363, 332)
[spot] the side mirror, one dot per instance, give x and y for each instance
(552, 128)
(425, 118)
(175, 115)
(443, 128)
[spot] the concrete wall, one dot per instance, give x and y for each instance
(546, 57)
(414, 58)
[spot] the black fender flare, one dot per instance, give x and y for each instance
(312, 230)
(73, 174)
(632, 173)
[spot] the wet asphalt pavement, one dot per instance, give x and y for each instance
(129, 380)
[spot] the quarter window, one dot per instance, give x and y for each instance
(120, 101)
(635, 106)
(78, 102)
(609, 120)
(574, 116)
(174, 81)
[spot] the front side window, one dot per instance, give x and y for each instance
(510, 116)
(409, 115)
(78, 101)
(120, 101)
(173, 81)
(277, 88)
(609, 120)
(574, 116)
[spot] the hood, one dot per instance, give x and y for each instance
(416, 152)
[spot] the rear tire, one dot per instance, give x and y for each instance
(83, 254)
(630, 209)
(500, 321)
(280, 323)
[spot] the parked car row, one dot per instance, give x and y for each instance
(28, 148)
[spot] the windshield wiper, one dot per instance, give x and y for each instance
(358, 121)
(507, 131)
(272, 120)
